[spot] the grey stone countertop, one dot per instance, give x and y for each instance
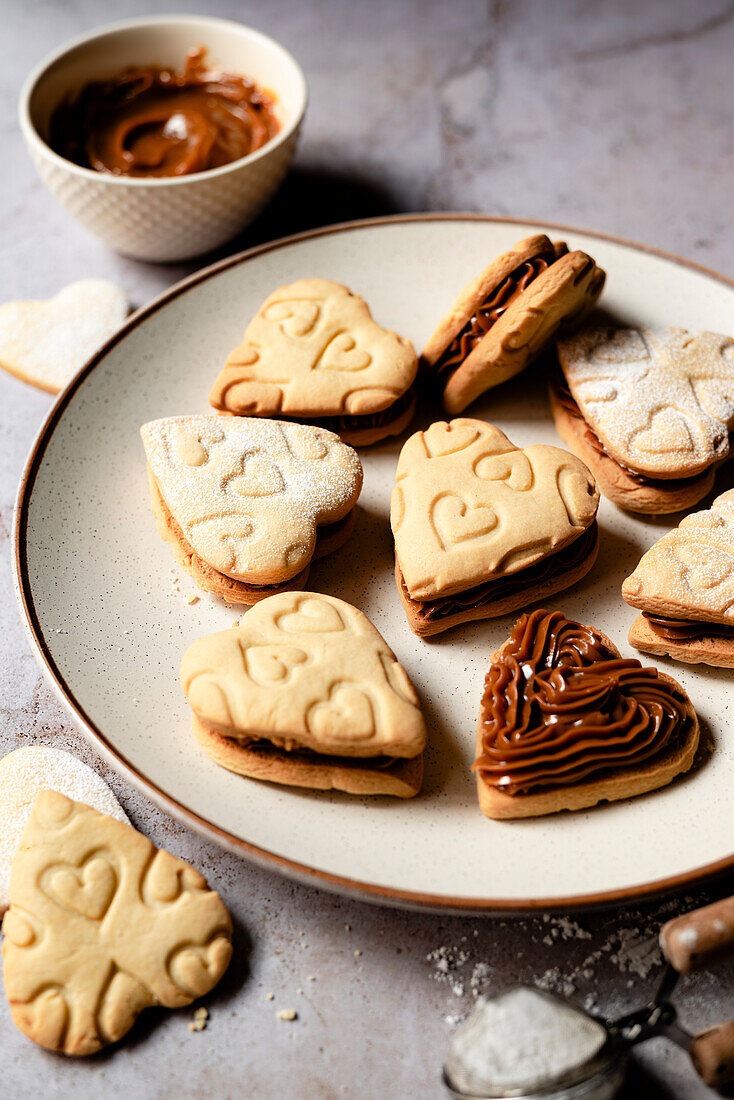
(616, 116)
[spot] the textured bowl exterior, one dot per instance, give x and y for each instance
(164, 224)
(165, 219)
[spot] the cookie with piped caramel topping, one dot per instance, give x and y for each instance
(507, 316)
(566, 722)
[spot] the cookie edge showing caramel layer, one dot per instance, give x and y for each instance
(235, 592)
(647, 496)
(569, 287)
(427, 628)
(401, 778)
(705, 649)
(642, 779)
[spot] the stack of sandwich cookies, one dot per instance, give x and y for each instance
(648, 410)
(247, 504)
(684, 587)
(482, 527)
(305, 692)
(313, 353)
(566, 723)
(507, 316)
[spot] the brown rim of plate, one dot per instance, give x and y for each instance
(339, 884)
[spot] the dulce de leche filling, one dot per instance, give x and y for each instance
(153, 121)
(491, 309)
(685, 630)
(556, 565)
(363, 421)
(560, 706)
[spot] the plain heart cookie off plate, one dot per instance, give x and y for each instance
(107, 611)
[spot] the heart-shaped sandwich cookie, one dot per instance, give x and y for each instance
(306, 692)
(648, 410)
(313, 352)
(102, 925)
(507, 316)
(247, 503)
(46, 342)
(684, 587)
(33, 768)
(565, 722)
(482, 527)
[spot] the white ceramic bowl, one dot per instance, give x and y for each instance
(169, 218)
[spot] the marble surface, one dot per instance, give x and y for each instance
(614, 116)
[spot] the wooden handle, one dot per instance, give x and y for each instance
(697, 938)
(712, 1054)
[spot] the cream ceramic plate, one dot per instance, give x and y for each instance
(95, 583)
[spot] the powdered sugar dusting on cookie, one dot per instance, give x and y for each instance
(249, 493)
(690, 571)
(660, 400)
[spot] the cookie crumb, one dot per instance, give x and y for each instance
(357, 954)
(287, 1014)
(199, 1022)
(348, 927)
(193, 598)
(269, 996)
(310, 978)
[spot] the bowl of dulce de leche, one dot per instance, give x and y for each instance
(164, 136)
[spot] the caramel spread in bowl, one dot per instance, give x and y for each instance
(153, 121)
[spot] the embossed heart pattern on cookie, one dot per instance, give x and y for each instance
(306, 692)
(684, 587)
(314, 353)
(101, 926)
(247, 504)
(648, 410)
(483, 527)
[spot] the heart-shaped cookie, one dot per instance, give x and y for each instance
(319, 353)
(33, 768)
(660, 401)
(47, 342)
(469, 505)
(246, 496)
(566, 723)
(88, 941)
(689, 572)
(348, 696)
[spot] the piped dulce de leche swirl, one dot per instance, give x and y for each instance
(560, 705)
(492, 308)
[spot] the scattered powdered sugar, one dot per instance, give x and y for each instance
(521, 1039)
(632, 950)
(33, 768)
